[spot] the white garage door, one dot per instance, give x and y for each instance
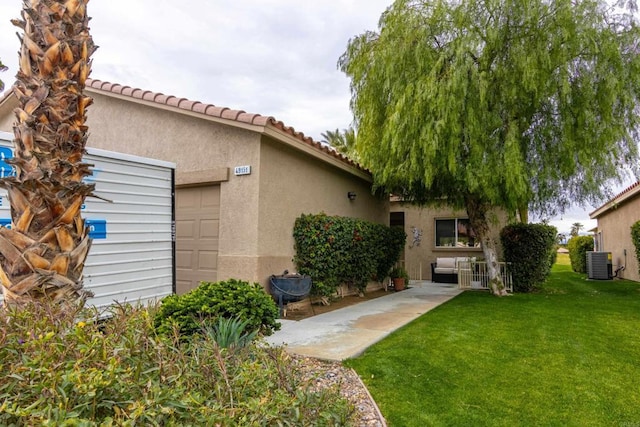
(197, 230)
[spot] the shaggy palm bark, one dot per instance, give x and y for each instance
(44, 251)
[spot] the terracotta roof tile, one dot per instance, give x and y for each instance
(615, 200)
(219, 112)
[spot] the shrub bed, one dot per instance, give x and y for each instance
(578, 247)
(229, 299)
(334, 250)
(531, 251)
(56, 370)
(635, 238)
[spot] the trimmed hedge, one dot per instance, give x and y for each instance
(229, 299)
(578, 247)
(531, 251)
(334, 250)
(635, 238)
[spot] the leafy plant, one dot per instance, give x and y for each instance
(209, 301)
(334, 250)
(530, 250)
(635, 238)
(230, 333)
(399, 273)
(578, 247)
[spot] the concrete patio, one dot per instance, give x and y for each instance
(347, 332)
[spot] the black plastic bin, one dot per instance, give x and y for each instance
(287, 288)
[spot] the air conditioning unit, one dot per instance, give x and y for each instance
(599, 265)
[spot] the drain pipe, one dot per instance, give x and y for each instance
(622, 267)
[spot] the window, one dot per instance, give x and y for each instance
(455, 233)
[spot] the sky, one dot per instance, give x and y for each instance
(272, 57)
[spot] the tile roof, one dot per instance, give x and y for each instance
(211, 110)
(625, 194)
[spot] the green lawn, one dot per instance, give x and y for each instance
(568, 355)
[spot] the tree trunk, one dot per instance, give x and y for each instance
(44, 251)
(523, 213)
(477, 212)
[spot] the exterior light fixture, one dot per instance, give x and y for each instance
(351, 195)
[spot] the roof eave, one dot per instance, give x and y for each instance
(615, 202)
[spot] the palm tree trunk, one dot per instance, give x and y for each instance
(44, 251)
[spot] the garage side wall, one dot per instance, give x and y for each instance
(294, 183)
(204, 152)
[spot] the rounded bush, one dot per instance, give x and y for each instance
(229, 299)
(635, 238)
(530, 249)
(578, 247)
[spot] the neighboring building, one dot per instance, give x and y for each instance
(613, 233)
(241, 179)
(438, 232)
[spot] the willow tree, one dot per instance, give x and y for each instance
(481, 104)
(43, 252)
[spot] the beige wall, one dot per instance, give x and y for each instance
(418, 258)
(615, 226)
(7, 117)
(292, 184)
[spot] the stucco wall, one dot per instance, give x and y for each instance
(418, 258)
(293, 184)
(7, 117)
(615, 226)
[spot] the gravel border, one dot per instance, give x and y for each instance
(324, 374)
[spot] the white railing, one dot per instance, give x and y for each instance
(475, 275)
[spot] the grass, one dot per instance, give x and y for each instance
(567, 355)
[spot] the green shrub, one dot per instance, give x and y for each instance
(334, 250)
(55, 370)
(229, 299)
(635, 238)
(531, 251)
(578, 247)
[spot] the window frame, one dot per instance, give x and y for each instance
(456, 243)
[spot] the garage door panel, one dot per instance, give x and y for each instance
(186, 229)
(208, 260)
(184, 259)
(209, 229)
(197, 231)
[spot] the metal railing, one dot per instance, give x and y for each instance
(475, 275)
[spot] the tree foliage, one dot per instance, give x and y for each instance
(576, 227)
(484, 104)
(344, 141)
(515, 102)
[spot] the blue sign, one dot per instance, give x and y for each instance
(5, 168)
(97, 228)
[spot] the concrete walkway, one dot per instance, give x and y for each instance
(347, 332)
